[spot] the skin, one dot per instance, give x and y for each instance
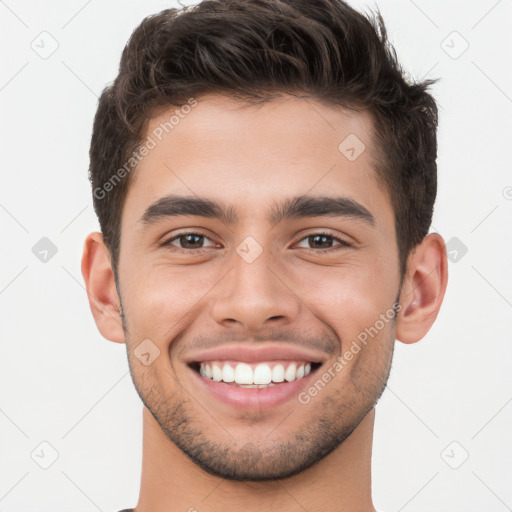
(199, 453)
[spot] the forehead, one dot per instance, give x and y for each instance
(274, 128)
(222, 148)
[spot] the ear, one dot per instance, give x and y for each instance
(101, 289)
(423, 289)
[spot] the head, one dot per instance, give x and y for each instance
(263, 174)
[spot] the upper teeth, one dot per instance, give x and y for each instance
(262, 373)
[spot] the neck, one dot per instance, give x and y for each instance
(171, 482)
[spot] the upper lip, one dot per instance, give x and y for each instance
(255, 354)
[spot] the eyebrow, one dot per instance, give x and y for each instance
(295, 207)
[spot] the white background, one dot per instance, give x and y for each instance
(62, 383)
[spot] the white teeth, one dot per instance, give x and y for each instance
(278, 373)
(228, 373)
(289, 374)
(217, 372)
(262, 376)
(243, 374)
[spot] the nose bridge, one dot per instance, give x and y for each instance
(253, 291)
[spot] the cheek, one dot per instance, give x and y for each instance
(356, 304)
(349, 299)
(159, 300)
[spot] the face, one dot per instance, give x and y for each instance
(277, 251)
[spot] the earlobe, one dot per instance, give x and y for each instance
(423, 289)
(101, 290)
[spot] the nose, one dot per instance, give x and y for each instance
(255, 295)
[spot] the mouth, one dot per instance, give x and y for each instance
(258, 385)
(260, 375)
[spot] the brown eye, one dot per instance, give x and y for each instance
(320, 241)
(323, 242)
(191, 241)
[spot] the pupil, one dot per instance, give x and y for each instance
(319, 237)
(188, 237)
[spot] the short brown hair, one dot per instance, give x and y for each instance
(255, 50)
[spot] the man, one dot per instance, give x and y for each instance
(264, 178)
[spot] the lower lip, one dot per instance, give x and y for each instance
(254, 398)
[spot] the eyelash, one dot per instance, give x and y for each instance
(343, 243)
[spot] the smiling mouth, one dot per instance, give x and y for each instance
(254, 375)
